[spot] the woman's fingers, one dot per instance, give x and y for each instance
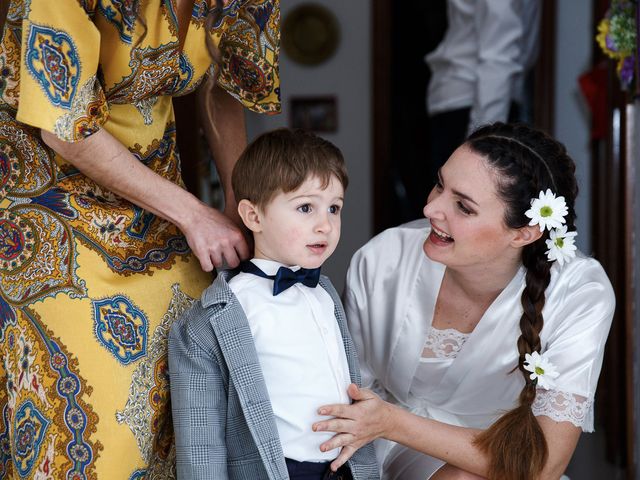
(336, 410)
(216, 240)
(341, 459)
(338, 425)
(231, 257)
(337, 441)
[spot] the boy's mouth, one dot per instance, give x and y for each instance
(317, 247)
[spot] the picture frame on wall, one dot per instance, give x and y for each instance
(317, 114)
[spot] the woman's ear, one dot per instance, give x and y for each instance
(250, 215)
(526, 235)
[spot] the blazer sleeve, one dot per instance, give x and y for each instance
(199, 402)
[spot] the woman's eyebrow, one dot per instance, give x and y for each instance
(456, 192)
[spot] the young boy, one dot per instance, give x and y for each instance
(262, 349)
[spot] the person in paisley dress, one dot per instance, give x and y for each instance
(101, 247)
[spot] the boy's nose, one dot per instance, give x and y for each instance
(323, 224)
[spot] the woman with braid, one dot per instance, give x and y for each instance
(482, 327)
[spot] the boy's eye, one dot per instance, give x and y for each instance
(306, 208)
(334, 209)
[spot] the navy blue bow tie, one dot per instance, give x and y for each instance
(285, 277)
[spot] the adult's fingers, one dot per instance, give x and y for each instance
(231, 257)
(337, 441)
(216, 259)
(242, 247)
(345, 454)
(204, 259)
(336, 410)
(338, 425)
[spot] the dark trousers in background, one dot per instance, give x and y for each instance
(447, 131)
(316, 471)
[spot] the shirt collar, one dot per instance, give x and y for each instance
(270, 267)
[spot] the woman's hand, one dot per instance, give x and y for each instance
(215, 239)
(355, 425)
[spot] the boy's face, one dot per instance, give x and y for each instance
(301, 227)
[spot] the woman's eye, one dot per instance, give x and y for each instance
(464, 209)
(334, 209)
(306, 208)
(438, 185)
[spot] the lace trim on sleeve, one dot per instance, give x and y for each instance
(564, 407)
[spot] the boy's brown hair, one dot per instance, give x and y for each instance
(282, 160)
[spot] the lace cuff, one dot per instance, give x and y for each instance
(564, 407)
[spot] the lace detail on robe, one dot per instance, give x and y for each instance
(443, 343)
(564, 407)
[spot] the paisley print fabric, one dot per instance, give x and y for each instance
(89, 283)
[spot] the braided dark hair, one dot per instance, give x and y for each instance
(526, 161)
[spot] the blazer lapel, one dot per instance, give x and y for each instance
(236, 342)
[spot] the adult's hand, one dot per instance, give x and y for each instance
(356, 424)
(215, 239)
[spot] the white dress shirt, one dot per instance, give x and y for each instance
(488, 47)
(301, 353)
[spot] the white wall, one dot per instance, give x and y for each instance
(574, 34)
(347, 76)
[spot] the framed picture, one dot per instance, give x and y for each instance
(318, 114)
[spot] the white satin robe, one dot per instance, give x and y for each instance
(392, 288)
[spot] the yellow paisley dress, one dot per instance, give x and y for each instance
(91, 283)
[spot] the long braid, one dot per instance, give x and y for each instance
(527, 161)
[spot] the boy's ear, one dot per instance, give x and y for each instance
(250, 215)
(526, 235)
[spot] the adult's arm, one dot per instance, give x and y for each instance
(223, 124)
(499, 27)
(212, 236)
(370, 418)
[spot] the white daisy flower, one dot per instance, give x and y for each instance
(561, 245)
(542, 370)
(547, 211)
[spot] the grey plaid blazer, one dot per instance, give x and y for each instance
(222, 416)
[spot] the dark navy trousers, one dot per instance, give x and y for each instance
(316, 471)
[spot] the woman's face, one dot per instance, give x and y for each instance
(467, 216)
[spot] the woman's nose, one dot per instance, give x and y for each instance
(432, 208)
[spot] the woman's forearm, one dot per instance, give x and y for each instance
(223, 124)
(369, 418)
(105, 160)
(449, 443)
(213, 238)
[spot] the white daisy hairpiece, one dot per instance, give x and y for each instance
(549, 212)
(543, 372)
(561, 245)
